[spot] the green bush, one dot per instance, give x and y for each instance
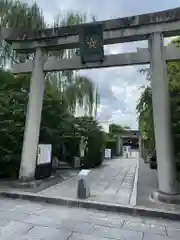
(57, 125)
(9, 167)
(72, 149)
(95, 150)
(111, 144)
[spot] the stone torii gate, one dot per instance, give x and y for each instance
(152, 27)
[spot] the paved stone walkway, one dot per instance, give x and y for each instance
(24, 220)
(147, 183)
(113, 182)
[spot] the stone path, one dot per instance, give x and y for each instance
(147, 183)
(113, 182)
(24, 220)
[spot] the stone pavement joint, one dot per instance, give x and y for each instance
(24, 220)
(106, 193)
(113, 182)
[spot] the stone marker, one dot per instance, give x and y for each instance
(77, 162)
(83, 185)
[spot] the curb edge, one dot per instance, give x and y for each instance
(133, 211)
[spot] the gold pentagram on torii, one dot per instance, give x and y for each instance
(92, 43)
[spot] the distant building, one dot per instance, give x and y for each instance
(128, 138)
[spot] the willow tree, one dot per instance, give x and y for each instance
(75, 89)
(17, 15)
(78, 90)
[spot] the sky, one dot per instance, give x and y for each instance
(119, 88)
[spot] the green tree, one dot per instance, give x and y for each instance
(92, 131)
(58, 125)
(17, 15)
(145, 114)
(82, 92)
(13, 101)
(75, 89)
(115, 129)
(63, 92)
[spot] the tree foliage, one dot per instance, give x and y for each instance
(58, 124)
(115, 130)
(77, 90)
(15, 14)
(64, 92)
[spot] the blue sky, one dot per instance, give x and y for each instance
(118, 87)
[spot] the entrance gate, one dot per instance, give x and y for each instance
(152, 27)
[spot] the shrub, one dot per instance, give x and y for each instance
(9, 167)
(111, 144)
(57, 125)
(95, 150)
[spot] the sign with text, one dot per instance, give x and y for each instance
(107, 153)
(44, 154)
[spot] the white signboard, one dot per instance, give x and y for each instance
(127, 151)
(107, 153)
(82, 147)
(44, 153)
(124, 149)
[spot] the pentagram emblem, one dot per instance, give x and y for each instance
(91, 43)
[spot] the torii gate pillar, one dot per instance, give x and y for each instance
(33, 119)
(167, 182)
